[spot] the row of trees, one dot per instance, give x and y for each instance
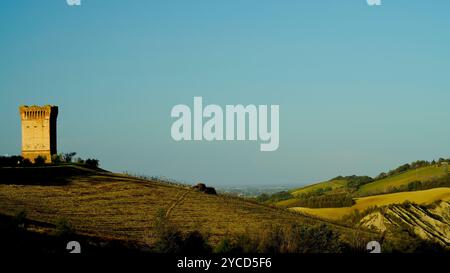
(10, 161)
(273, 198)
(354, 181)
(70, 158)
(411, 166)
(63, 158)
(325, 201)
(17, 160)
(417, 185)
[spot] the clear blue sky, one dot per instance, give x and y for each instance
(361, 89)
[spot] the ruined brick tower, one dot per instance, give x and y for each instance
(38, 131)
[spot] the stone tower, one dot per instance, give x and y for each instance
(38, 131)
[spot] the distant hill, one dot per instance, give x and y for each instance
(425, 214)
(332, 185)
(423, 174)
(383, 203)
(363, 203)
(397, 182)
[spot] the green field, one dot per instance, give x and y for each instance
(419, 197)
(386, 185)
(421, 174)
(333, 184)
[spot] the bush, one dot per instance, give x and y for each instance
(56, 158)
(382, 175)
(414, 186)
(81, 161)
(403, 241)
(276, 197)
(225, 246)
(315, 239)
(285, 239)
(195, 243)
(92, 163)
(168, 238)
(355, 217)
(40, 160)
(63, 228)
(20, 218)
(26, 162)
(272, 240)
(67, 157)
(10, 161)
(354, 182)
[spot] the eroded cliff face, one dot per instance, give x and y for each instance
(428, 222)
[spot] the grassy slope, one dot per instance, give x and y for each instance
(419, 197)
(380, 186)
(122, 207)
(333, 184)
(421, 174)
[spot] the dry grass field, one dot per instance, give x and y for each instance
(123, 207)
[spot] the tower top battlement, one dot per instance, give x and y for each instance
(37, 112)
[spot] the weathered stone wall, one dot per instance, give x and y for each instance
(38, 131)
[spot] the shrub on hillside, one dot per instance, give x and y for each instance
(315, 239)
(285, 239)
(63, 228)
(57, 159)
(168, 237)
(241, 243)
(10, 161)
(26, 163)
(195, 243)
(354, 181)
(40, 160)
(19, 219)
(68, 157)
(92, 163)
(272, 240)
(225, 246)
(355, 217)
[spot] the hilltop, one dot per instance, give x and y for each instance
(112, 206)
(423, 174)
